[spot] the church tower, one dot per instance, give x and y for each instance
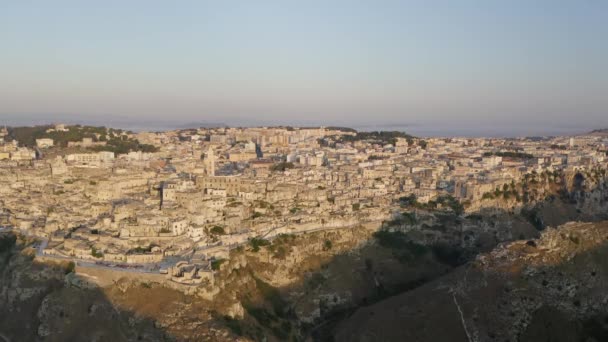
(209, 160)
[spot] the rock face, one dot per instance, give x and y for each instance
(58, 305)
(44, 302)
(51, 304)
(553, 287)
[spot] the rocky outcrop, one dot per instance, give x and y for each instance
(581, 191)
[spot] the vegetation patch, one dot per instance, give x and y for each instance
(282, 166)
(141, 250)
(381, 137)
(217, 230)
(256, 243)
(95, 253)
(509, 154)
(70, 267)
(446, 201)
(215, 264)
(123, 145)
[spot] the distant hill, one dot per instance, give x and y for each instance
(201, 125)
(600, 132)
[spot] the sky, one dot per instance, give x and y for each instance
(485, 65)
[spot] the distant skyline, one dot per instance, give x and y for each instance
(417, 129)
(485, 67)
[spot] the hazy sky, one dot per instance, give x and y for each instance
(487, 62)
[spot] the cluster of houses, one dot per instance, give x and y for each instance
(211, 189)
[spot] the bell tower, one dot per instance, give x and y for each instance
(209, 160)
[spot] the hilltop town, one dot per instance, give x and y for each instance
(177, 202)
(291, 233)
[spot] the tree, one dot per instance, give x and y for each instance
(256, 243)
(282, 166)
(71, 266)
(408, 200)
(215, 264)
(218, 230)
(95, 253)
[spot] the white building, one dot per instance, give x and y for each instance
(94, 159)
(44, 142)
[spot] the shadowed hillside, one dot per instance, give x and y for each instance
(548, 289)
(41, 302)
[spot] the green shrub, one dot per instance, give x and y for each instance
(95, 253)
(282, 166)
(215, 264)
(70, 267)
(217, 230)
(256, 243)
(408, 200)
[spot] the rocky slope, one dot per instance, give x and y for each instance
(515, 291)
(43, 302)
(552, 288)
